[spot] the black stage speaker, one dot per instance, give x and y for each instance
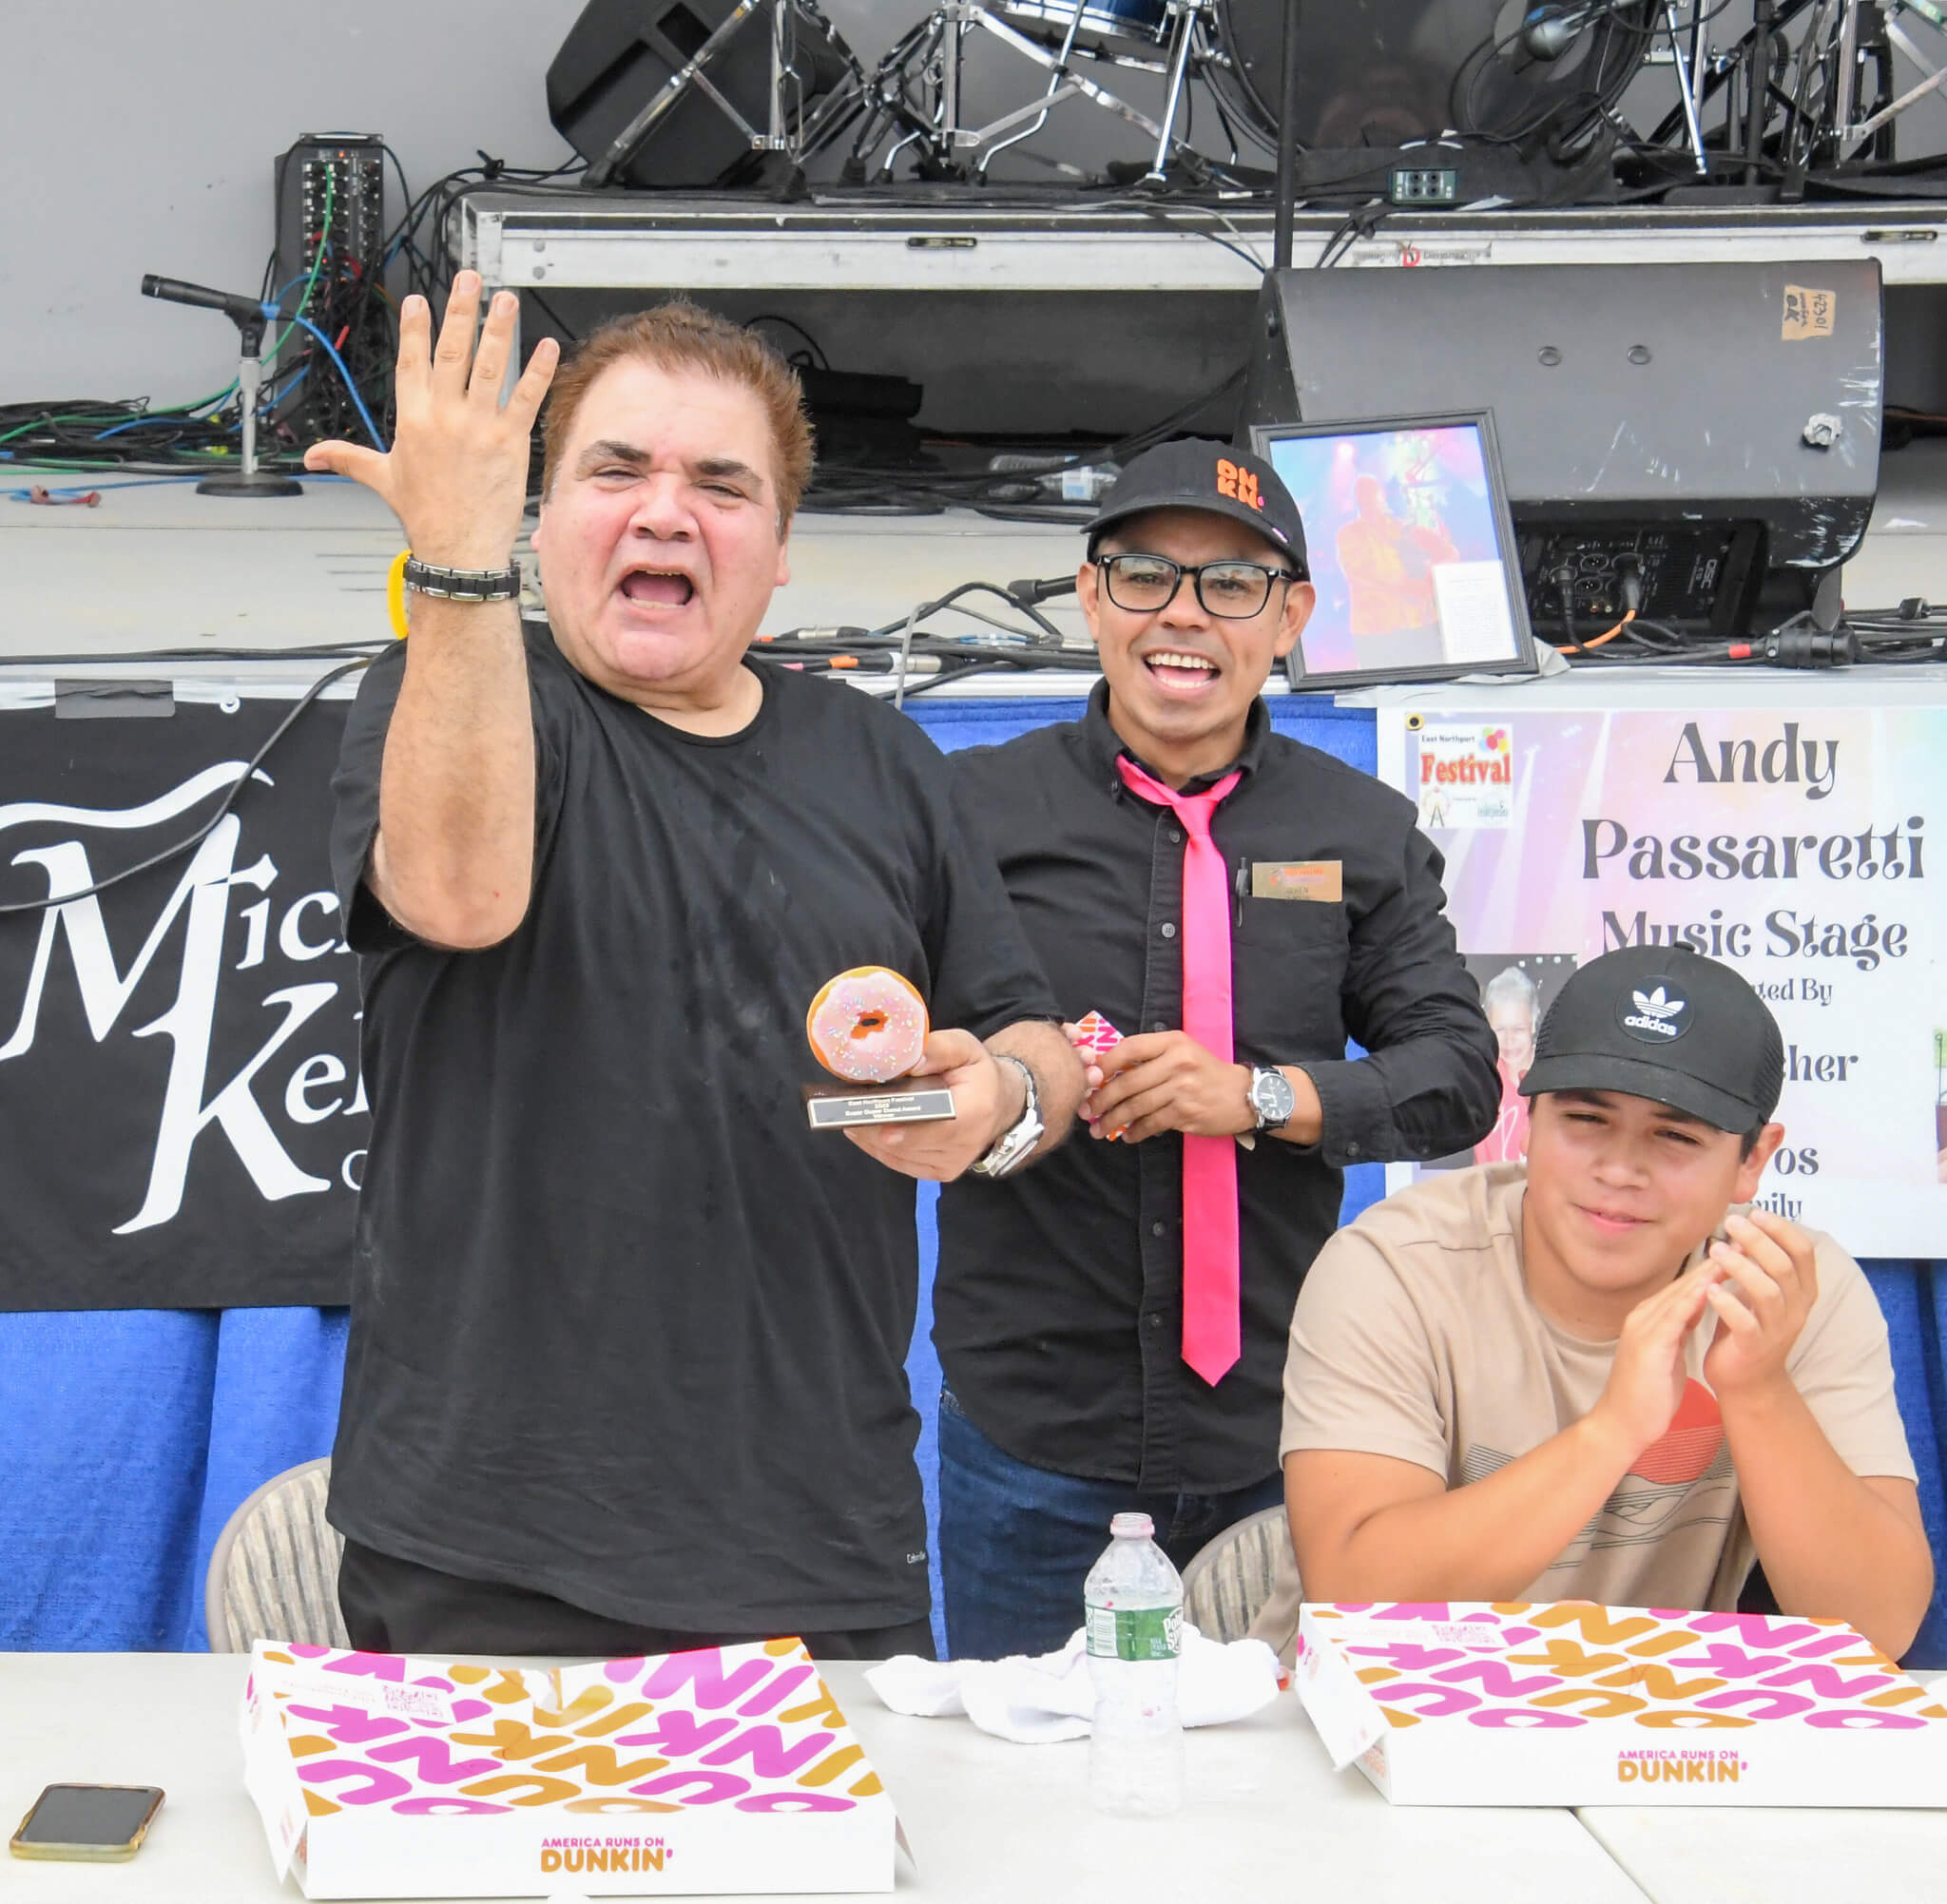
(1714, 426)
(621, 53)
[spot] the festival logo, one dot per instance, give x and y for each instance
(1466, 775)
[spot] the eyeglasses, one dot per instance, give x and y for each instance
(1233, 592)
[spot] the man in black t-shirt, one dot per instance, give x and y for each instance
(625, 1372)
(1112, 1329)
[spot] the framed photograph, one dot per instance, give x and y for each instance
(1516, 990)
(1410, 547)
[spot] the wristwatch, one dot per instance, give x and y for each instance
(1271, 1097)
(1021, 1137)
(464, 585)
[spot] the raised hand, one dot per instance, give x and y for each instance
(456, 476)
(1646, 1381)
(1769, 1281)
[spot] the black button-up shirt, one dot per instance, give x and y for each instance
(1058, 1308)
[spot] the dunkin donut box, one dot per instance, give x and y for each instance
(730, 1769)
(1572, 1705)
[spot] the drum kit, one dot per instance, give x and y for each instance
(1374, 74)
(1542, 79)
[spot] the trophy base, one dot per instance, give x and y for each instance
(840, 1106)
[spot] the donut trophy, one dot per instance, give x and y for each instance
(868, 1025)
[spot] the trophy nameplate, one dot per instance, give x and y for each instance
(842, 1108)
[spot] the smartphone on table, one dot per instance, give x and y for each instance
(105, 1824)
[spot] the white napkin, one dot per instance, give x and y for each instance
(1035, 1702)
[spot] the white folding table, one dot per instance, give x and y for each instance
(989, 1822)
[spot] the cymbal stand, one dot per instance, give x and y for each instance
(1851, 132)
(1689, 77)
(1187, 19)
(935, 52)
(1058, 89)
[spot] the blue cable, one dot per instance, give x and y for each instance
(136, 423)
(146, 483)
(271, 398)
(272, 312)
(89, 489)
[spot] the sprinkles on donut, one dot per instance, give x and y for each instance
(867, 1026)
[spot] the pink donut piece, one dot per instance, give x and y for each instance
(867, 1026)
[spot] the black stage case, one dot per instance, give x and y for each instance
(179, 1056)
(1624, 396)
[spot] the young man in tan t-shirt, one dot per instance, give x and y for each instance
(1592, 1376)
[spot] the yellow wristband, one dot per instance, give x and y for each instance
(396, 592)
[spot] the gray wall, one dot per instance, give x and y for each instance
(138, 136)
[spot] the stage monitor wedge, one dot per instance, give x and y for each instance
(1714, 428)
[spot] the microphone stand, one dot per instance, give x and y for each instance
(248, 317)
(1287, 143)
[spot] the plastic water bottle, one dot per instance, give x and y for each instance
(1134, 1601)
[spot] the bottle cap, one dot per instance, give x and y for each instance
(1133, 1526)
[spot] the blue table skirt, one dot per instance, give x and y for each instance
(131, 1435)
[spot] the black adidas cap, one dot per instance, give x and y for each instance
(1199, 473)
(1666, 1024)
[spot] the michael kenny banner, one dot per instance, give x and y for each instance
(178, 1054)
(1805, 849)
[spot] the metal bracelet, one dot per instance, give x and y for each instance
(464, 585)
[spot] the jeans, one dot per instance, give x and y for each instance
(1016, 1542)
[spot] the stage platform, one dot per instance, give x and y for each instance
(1025, 311)
(156, 566)
(957, 239)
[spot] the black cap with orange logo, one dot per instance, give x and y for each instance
(1199, 473)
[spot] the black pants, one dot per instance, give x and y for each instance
(395, 1606)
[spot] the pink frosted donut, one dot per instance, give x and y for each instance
(867, 1026)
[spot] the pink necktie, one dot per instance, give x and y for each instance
(1210, 1163)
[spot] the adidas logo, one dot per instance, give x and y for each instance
(1654, 1011)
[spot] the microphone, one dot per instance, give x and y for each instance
(1029, 590)
(1550, 31)
(173, 290)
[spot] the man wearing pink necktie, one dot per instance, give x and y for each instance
(1112, 1326)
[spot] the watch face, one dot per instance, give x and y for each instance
(1272, 1095)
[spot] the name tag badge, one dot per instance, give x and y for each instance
(1318, 879)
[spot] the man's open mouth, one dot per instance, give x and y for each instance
(1177, 666)
(667, 586)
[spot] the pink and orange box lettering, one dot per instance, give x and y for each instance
(1572, 1705)
(1095, 1037)
(730, 1769)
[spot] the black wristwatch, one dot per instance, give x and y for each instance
(1272, 1097)
(464, 585)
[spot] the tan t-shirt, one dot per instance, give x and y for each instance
(1414, 1337)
